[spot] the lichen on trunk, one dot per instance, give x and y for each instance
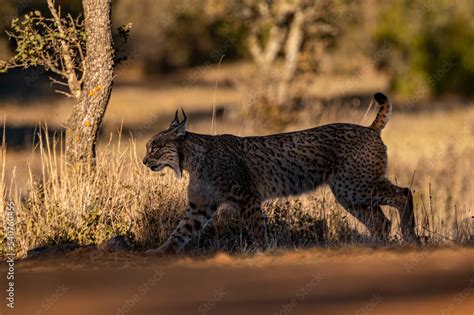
(86, 118)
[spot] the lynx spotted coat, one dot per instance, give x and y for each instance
(245, 171)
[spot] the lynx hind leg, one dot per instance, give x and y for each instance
(358, 200)
(402, 199)
(195, 219)
(373, 219)
(256, 220)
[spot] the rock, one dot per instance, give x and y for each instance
(51, 250)
(116, 243)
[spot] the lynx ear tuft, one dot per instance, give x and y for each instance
(181, 128)
(175, 122)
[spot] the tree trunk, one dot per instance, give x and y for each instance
(292, 51)
(88, 112)
(264, 57)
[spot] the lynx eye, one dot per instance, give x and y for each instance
(157, 146)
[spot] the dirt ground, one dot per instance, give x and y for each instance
(319, 281)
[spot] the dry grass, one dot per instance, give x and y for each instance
(123, 197)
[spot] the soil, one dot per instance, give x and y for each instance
(319, 281)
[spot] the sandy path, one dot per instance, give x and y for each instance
(349, 281)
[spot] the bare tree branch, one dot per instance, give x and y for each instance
(292, 50)
(74, 85)
(54, 81)
(64, 93)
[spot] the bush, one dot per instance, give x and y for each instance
(168, 35)
(194, 40)
(431, 46)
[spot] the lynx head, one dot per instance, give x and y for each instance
(162, 149)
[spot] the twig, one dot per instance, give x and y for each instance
(213, 121)
(412, 179)
(368, 110)
(54, 81)
(445, 237)
(65, 93)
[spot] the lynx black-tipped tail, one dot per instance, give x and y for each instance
(385, 111)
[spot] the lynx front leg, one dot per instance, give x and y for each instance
(195, 219)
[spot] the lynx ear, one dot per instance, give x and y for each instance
(181, 128)
(178, 128)
(175, 122)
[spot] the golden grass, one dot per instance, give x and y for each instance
(123, 197)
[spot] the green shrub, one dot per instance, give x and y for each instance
(169, 35)
(194, 39)
(432, 44)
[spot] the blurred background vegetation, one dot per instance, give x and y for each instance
(423, 45)
(433, 45)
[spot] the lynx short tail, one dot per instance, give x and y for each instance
(385, 111)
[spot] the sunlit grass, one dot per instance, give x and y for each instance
(433, 151)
